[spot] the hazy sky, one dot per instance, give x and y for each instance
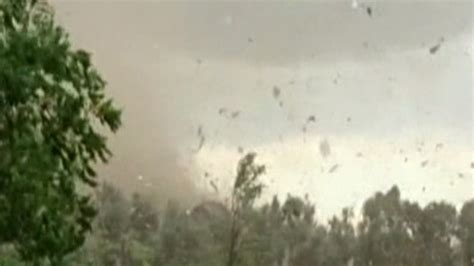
(391, 94)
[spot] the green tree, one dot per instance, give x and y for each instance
(247, 188)
(53, 112)
(383, 236)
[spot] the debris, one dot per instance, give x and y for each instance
(359, 154)
(198, 61)
(460, 175)
(333, 168)
(324, 148)
(201, 143)
(276, 92)
(424, 163)
(235, 114)
(406, 159)
(424, 189)
(304, 129)
(434, 49)
(206, 174)
(439, 146)
(214, 186)
(202, 139)
(369, 11)
(472, 164)
(240, 150)
(311, 118)
(250, 39)
(348, 119)
(222, 110)
(280, 103)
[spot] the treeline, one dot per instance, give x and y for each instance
(390, 232)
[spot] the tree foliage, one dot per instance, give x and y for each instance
(52, 103)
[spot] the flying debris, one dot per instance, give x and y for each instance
(214, 186)
(276, 92)
(406, 159)
(311, 118)
(434, 49)
(349, 119)
(201, 137)
(333, 168)
(199, 61)
(250, 39)
(461, 175)
(439, 146)
(472, 165)
(304, 129)
(324, 148)
(235, 114)
(424, 189)
(424, 163)
(206, 174)
(368, 9)
(359, 154)
(222, 110)
(240, 150)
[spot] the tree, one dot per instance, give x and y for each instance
(384, 238)
(438, 231)
(466, 232)
(247, 188)
(53, 112)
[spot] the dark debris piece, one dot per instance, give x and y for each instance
(222, 110)
(324, 148)
(276, 92)
(369, 11)
(424, 163)
(334, 168)
(235, 114)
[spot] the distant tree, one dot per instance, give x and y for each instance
(384, 238)
(112, 225)
(438, 231)
(52, 103)
(341, 240)
(466, 232)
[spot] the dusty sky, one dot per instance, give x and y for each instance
(391, 111)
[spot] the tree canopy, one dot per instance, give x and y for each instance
(53, 112)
